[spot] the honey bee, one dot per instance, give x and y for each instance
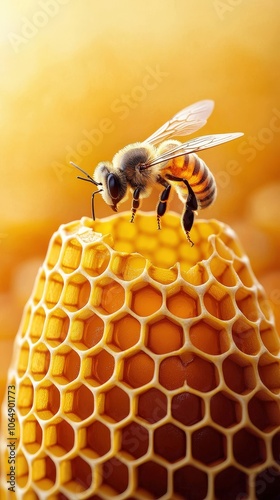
(162, 161)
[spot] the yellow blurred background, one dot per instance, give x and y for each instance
(80, 80)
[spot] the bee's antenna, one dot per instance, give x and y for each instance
(88, 179)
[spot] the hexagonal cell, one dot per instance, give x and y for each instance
(270, 337)
(115, 476)
(244, 273)
(248, 448)
(25, 396)
(65, 365)
(47, 400)
(124, 332)
(226, 411)
(98, 368)
(264, 411)
(26, 323)
(138, 369)
(196, 275)
(39, 361)
(54, 252)
(134, 440)
(59, 437)
(223, 272)
(57, 326)
(40, 286)
(219, 303)
(269, 371)
(107, 296)
(170, 442)
(76, 475)
(37, 324)
(276, 446)
(245, 337)
(152, 405)
(164, 335)
(54, 286)
(43, 472)
(96, 440)
(247, 303)
(268, 484)
(196, 371)
(145, 300)
(230, 484)
(86, 330)
(76, 292)
(209, 337)
(31, 435)
(239, 374)
(187, 408)
(71, 255)
(163, 276)
(209, 446)
(183, 303)
(116, 405)
(190, 482)
(128, 267)
(265, 306)
(78, 403)
(152, 479)
(23, 469)
(95, 259)
(23, 358)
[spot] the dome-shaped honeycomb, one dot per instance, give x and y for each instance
(145, 369)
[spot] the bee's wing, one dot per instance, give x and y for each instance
(187, 121)
(194, 145)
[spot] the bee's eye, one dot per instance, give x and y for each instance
(113, 185)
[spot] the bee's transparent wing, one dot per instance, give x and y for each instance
(187, 121)
(194, 145)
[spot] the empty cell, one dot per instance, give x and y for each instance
(200, 373)
(116, 404)
(43, 472)
(209, 337)
(225, 410)
(170, 442)
(196, 275)
(265, 306)
(59, 437)
(164, 336)
(245, 337)
(239, 374)
(244, 273)
(37, 323)
(145, 300)
(78, 475)
(47, 400)
(187, 408)
(152, 478)
(163, 276)
(223, 272)
(31, 435)
(270, 337)
(264, 411)
(86, 330)
(138, 369)
(76, 293)
(26, 323)
(53, 290)
(231, 484)
(57, 325)
(98, 368)
(267, 484)
(23, 358)
(125, 332)
(71, 256)
(128, 267)
(65, 365)
(107, 296)
(152, 405)
(54, 252)
(184, 303)
(25, 396)
(248, 448)
(95, 259)
(219, 303)
(115, 475)
(78, 403)
(209, 446)
(97, 440)
(190, 483)
(39, 286)
(134, 440)
(247, 303)
(269, 371)
(39, 361)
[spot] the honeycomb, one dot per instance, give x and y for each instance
(145, 369)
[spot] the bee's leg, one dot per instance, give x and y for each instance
(188, 215)
(135, 203)
(162, 204)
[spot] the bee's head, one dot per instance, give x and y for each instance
(114, 185)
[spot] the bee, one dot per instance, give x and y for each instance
(163, 161)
